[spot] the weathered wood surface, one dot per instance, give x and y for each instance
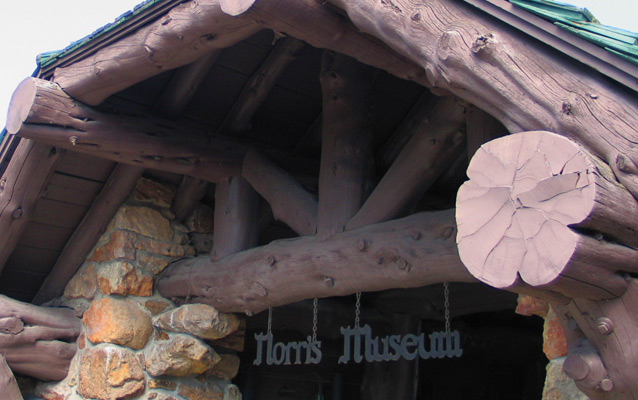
(193, 29)
(189, 193)
(515, 79)
(259, 86)
(410, 252)
(116, 189)
(517, 212)
(601, 341)
(37, 341)
(435, 144)
(290, 202)
(480, 128)
(236, 217)
(183, 86)
(347, 161)
(8, 384)
(43, 112)
(22, 184)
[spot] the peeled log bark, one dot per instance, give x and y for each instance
(517, 212)
(410, 252)
(510, 76)
(37, 348)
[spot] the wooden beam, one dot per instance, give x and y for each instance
(8, 384)
(290, 202)
(347, 161)
(517, 213)
(43, 112)
(518, 80)
(259, 86)
(189, 193)
(22, 184)
(38, 341)
(480, 128)
(436, 143)
(411, 252)
(186, 33)
(236, 225)
(115, 191)
(183, 86)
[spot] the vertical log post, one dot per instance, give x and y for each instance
(345, 177)
(236, 217)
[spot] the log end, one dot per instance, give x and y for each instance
(515, 212)
(20, 104)
(235, 7)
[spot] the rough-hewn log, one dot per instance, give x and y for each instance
(411, 252)
(290, 202)
(186, 33)
(236, 217)
(517, 212)
(34, 347)
(43, 112)
(347, 161)
(189, 193)
(116, 189)
(517, 80)
(436, 144)
(604, 365)
(480, 128)
(183, 86)
(27, 174)
(259, 85)
(8, 384)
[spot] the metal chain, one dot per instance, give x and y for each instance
(446, 304)
(269, 319)
(357, 310)
(314, 319)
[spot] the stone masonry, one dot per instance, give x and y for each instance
(136, 344)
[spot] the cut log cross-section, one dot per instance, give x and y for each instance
(517, 213)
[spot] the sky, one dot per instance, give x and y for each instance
(31, 27)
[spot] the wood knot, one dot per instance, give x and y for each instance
(448, 232)
(481, 43)
(416, 17)
(416, 235)
(624, 164)
(73, 140)
(17, 213)
(272, 260)
(566, 108)
(328, 281)
(208, 36)
(362, 245)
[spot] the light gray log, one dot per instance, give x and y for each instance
(117, 188)
(347, 162)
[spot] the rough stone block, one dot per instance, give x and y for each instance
(144, 221)
(122, 322)
(530, 305)
(118, 245)
(200, 320)
(181, 355)
(161, 248)
(152, 192)
(227, 367)
(83, 284)
(121, 277)
(156, 305)
(558, 386)
(200, 220)
(151, 262)
(207, 391)
(554, 341)
(110, 373)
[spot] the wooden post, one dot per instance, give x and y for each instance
(116, 189)
(189, 193)
(27, 174)
(236, 217)
(517, 213)
(480, 128)
(346, 173)
(436, 144)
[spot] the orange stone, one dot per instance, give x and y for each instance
(151, 262)
(119, 245)
(110, 373)
(554, 341)
(530, 305)
(161, 248)
(121, 277)
(144, 221)
(156, 305)
(227, 368)
(181, 355)
(205, 392)
(151, 192)
(83, 284)
(122, 322)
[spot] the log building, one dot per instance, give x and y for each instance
(170, 178)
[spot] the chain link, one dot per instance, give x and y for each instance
(269, 320)
(314, 319)
(446, 304)
(357, 310)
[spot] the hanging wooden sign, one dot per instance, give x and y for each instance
(358, 344)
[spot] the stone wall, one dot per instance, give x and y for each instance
(558, 386)
(136, 344)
